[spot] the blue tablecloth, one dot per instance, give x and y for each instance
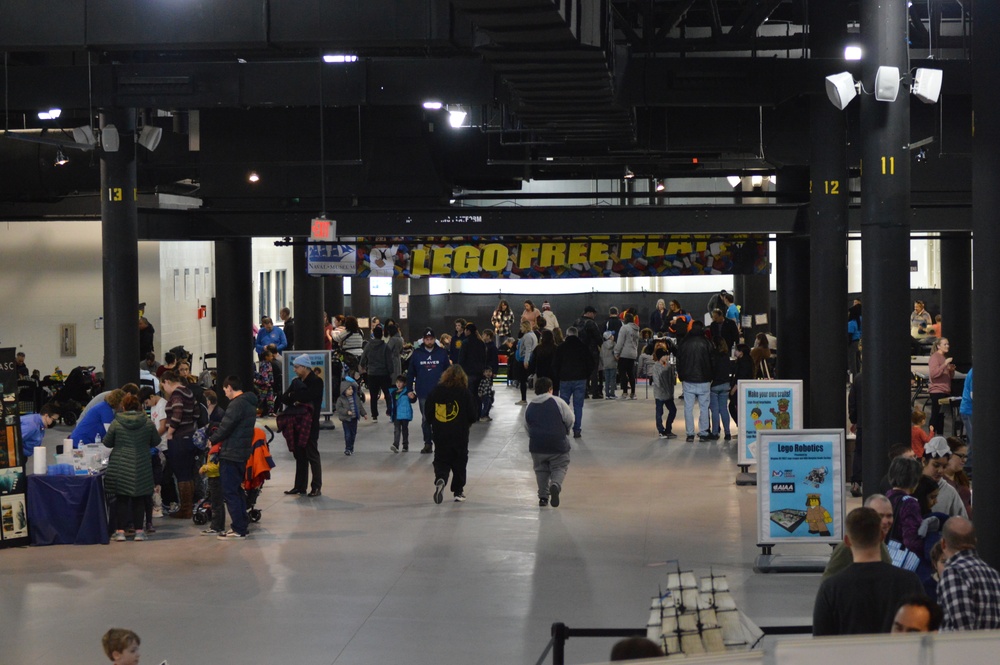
(67, 510)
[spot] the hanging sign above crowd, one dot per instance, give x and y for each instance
(544, 258)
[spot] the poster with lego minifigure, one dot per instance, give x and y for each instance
(766, 406)
(800, 486)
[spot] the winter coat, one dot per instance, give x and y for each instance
(473, 356)
(548, 421)
(130, 467)
(551, 322)
(426, 368)
(236, 429)
(376, 360)
(451, 412)
(502, 322)
(608, 354)
(543, 361)
(573, 360)
(627, 345)
(394, 349)
(664, 380)
(694, 359)
(350, 407)
(402, 406)
(589, 333)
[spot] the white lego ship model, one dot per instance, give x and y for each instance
(699, 616)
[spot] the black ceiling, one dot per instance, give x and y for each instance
(555, 89)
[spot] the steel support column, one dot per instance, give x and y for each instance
(986, 269)
(333, 295)
(956, 296)
(120, 242)
(235, 305)
(419, 309)
(308, 303)
(361, 297)
(885, 234)
(793, 291)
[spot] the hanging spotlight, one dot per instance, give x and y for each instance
(51, 114)
(756, 181)
(61, 157)
(734, 180)
(456, 117)
(628, 173)
(852, 53)
(661, 185)
(432, 105)
(253, 177)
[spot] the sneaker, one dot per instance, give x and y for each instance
(406, 448)
(554, 490)
(632, 396)
(484, 419)
(543, 502)
(426, 450)
(459, 498)
(662, 435)
(487, 419)
(173, 508)
(150, 528)
(521, 401)
(210, 532)
(690, 438)
(374, 420)
(140, 536)
(348, 452)
(394, 448)
(232, 535)
(671, 435)
(728, 437)
(577, 434)
(119, 537)
(439, 490)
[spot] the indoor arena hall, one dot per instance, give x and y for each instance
(373, 571)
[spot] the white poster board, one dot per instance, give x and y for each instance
(766, 405)
(800, 486)
(321, 364)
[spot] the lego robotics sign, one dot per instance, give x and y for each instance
(800, 485)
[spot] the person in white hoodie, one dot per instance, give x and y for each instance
(551, 322)
(548, 420)
(626, 351)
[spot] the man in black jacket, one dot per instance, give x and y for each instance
(236, 434)
(591, 337)
(307, 388)
(695, 370)
(572, 365)
(724, 328)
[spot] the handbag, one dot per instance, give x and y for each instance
(900, 555)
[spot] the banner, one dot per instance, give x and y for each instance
(544, 258)
(800, 485)
(766, 405)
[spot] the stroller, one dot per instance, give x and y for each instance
(76, 390)
(258, 470)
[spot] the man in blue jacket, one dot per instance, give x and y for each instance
(33, 428)
(427, 363)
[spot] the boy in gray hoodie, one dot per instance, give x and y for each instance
(548, 420)
(664, 379)
(349, 409)
(609, 364)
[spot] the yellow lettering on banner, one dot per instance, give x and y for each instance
(525, 253)
(629, 247)
(598, 252)
(466, 259)
(675, 248)
(441, 260)
(495, 257)
(576, 252)
(552, 254)
(654, 249)
(418, 262)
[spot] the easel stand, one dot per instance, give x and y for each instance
(745, 477)
(768, 562)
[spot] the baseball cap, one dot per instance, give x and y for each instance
(589, 309)
(429, 332)
(302, 361)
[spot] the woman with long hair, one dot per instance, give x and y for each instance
(503, 321)
(451, 410)
(760, 354)
(530, 314)
(525, 348)
(719, 394)
(940, 372)
(954, 473)
(743, 371)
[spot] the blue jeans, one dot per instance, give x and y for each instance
(671, 414)
(719, 409)
(231, 474)
(485, 404)
(350, 433)
(609, 381)
(700, 392)
(577, 390)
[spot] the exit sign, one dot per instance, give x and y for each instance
(323, 229)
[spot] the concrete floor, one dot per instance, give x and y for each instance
(373, 572)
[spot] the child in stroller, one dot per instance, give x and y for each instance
(258, 470)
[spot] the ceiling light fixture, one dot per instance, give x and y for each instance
(852, 53)
(628, 173)
(253, 177)
(734, 180)
(456, 117)
(51, 114)
(661, 185)
(756, 181)
(339, 57)
(433, 106)
(61, 157)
